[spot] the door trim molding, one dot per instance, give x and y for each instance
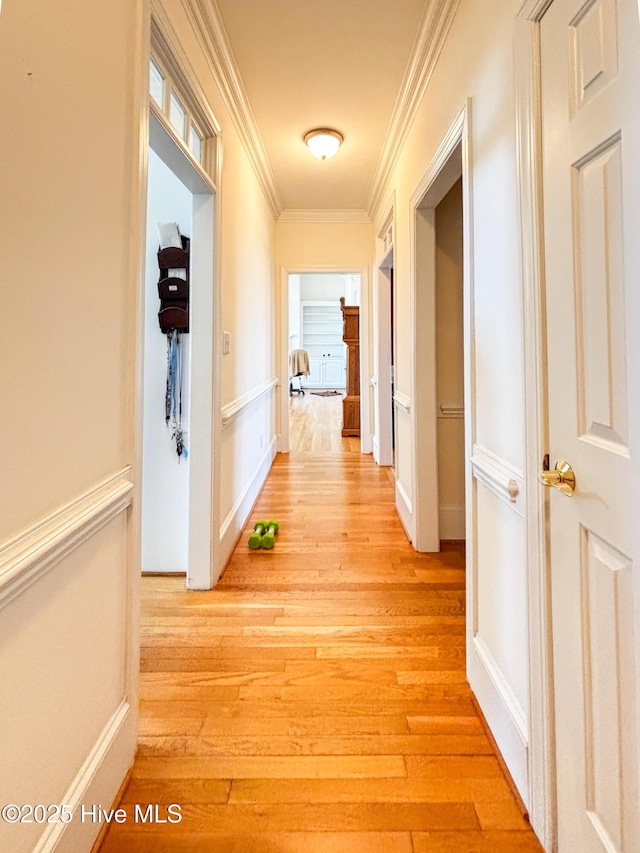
(527, 70)
(282, 348)
(443, 171)
(204, 489)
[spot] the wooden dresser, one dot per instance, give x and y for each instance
(351, 337)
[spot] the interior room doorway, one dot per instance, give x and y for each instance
(318, 360)
(442, 457)
(176, 532)
(384, 367)
(450, 365)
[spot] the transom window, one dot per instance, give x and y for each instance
(164, 94)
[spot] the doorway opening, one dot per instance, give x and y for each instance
(442, 465)
(450, 365)
(384, 440)
(176, 527)
(320, 370)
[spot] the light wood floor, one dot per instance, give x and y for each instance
(316, 700)
(315, 425)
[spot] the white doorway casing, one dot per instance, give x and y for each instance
(449, 164)
(382, 381)
(202, 340)
(165, 478)
(284, 346)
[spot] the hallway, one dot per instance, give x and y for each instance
(316, 700)
(315, 425)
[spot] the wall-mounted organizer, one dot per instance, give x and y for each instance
(173, 287)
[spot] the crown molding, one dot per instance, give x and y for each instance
(206, 21)
(434, 28)
(293, 215)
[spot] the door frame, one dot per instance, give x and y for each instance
(452, 160)
(282, 390)
(203, 180)
(381, 382)
(527, 73)
(382, 402)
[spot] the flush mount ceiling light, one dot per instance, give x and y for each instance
(323, 142)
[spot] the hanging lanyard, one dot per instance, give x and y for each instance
(173, 391)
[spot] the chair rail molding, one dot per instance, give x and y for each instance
(30, 554)
(499, 476)
(232, 410)
(402, 402)
(451, 410)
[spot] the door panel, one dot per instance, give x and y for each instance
(334, 373)
(591, 142)
(598, 220)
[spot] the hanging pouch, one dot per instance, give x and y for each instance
(173, 258)
(174, 316)
(173, 288)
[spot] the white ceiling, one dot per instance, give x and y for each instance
(331, 63)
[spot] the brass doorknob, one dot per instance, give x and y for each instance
(562, 477)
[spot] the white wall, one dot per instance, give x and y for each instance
(317, 287)
(294, 311)
(68, 584)
(165, 480)
(477, 64)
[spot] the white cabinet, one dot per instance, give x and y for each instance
(326, 373)
(321, 327)
(334, 372)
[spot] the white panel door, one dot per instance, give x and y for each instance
(591, 151)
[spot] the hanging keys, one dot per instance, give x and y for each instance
(177, 436)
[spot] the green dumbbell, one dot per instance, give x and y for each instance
(269, 538)
(255, 540)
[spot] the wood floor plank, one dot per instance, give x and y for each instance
(475, 842)
(263, 745)
(316, 700)
(271, 767)
(491, 791)
(504, 816)
(292, 725)
(166, 791)
(242, 841)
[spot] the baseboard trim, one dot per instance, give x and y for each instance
(97, 844)
(503, 764)
(235, 521)
(503, 713)
(404, 508)
(98, 781)
(29, 555)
